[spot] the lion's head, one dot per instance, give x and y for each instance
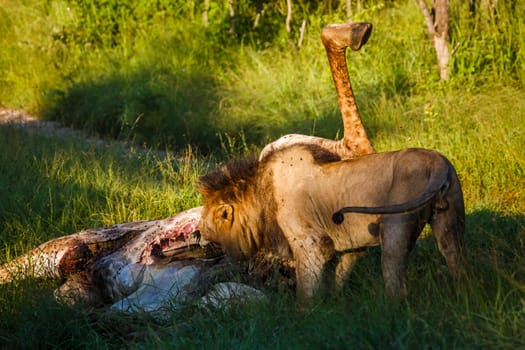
(225, 190)
(239, 210)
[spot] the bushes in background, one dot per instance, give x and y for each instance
(169, 73)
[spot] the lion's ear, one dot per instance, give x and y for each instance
(224, 214)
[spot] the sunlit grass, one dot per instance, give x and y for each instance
(68, 186)
(164, 79)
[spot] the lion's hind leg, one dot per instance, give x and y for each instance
(448, 228)
(448, 225)
(398, 236)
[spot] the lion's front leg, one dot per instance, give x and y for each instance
(312, 255)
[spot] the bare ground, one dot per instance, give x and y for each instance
(24, 120)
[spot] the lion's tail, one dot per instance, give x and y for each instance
(434, 189)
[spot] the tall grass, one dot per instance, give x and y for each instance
(152, 72)
(489, 43)
(51, 187)
(67, 187)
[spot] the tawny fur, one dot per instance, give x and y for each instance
(286, 203)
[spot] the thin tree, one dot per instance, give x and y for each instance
(288, 15)
(205, 13)
(437, 21)
(349, 11)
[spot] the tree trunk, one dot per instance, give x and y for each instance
(301, 33)
(232, 15)
(205, 13)
(437, 27)
(349, 11)
(288, 15)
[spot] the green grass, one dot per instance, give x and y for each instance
(52, 187)
(153, 75)
(151, 72)
(68, 186)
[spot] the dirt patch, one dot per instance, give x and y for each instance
(22, 119)
(25, 120)
(10, 116)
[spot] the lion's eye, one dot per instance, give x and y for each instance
(225, 214)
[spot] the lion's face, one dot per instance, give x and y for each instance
(218, 225)
(216, 222)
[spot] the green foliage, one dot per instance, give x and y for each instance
(156, 73)
(489, 41)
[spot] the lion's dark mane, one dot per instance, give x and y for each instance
(230, 179)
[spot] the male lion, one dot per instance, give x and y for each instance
(289, 203)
